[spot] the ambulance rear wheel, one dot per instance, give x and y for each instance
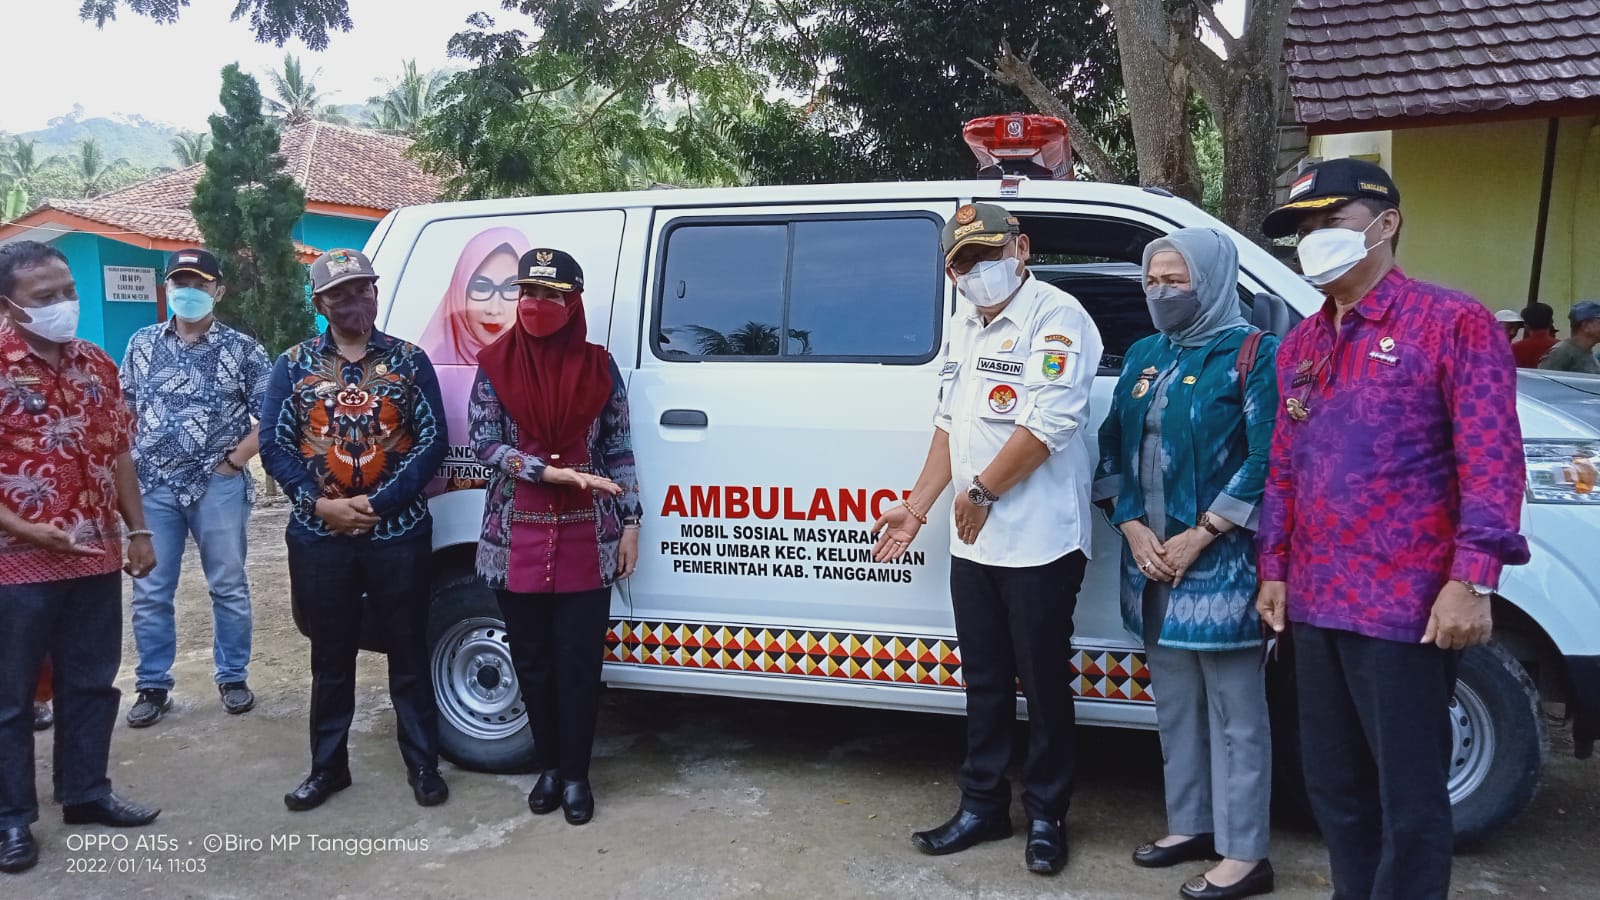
(483, 724)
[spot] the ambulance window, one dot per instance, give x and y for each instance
(855, 289)
(864, 288)
(722, 291)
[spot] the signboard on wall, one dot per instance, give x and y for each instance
(130, 284)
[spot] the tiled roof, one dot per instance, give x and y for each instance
(171, 224)
(1352, 62)
(151, 222)
(333, 164)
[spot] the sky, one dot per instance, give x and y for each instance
(171, 73)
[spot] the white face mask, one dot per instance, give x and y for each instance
(56, 323)
(990, 283)
(1328, 253)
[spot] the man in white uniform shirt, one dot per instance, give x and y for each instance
(1009, 431)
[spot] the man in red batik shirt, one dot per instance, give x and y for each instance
(1392, 503)
(65, 473)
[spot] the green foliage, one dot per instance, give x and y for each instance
(95, 174)
(701, 92)
(298, 100)
(271, 21)
(896, 80)
(246, 206)
(1208, 154)
(190, 149)
(531, 120)
(407, 101)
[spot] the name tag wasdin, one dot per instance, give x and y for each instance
(999, 366)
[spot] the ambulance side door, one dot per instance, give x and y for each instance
(783, 398)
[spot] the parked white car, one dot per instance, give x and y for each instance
(780, 346)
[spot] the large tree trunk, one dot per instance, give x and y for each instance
(1242, 92)
(1155, 74)
(1248, 120)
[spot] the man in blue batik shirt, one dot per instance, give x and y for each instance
(194, 386)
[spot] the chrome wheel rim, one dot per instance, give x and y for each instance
(475, 681)
(1471, 743)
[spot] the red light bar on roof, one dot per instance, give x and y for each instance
(1020, 144)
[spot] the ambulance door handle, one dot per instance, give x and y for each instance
(685, 418)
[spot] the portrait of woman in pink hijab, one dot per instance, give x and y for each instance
(480, 304)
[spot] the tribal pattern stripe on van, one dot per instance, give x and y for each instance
(1098, 674)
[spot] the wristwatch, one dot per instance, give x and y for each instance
(1479, 590)
(1205, 522)
(980, 495)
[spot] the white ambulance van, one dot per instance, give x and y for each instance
(781, 348)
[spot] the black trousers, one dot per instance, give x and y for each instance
(1375, 742)
(328, 577)
(78, 622)
(558, 646)
(1017, 624)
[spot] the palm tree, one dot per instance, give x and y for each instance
(298, 100)
(405, 102)
(89, 166)
(190, 148)
(20, 162)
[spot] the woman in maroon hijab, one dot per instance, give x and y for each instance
(549, 417)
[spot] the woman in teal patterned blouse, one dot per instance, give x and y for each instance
(1182, 469)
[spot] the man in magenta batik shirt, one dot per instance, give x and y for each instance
(1392, 504)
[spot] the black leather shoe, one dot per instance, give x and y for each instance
(1199, 847)
(316, 789)
(1047, 846)
(964, 830)
(1259, 881)
(44, 715)
(546, 794)
(18, 852)
(577, 802)
(428, 786)
(109, 810)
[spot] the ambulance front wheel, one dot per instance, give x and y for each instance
(1498, 742)
(483, 724)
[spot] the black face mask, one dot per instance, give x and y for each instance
(352, 316)
(1172, 309)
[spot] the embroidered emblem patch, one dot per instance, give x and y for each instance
(1058, 339)
(1053, 365)
(1003, 398)
(966, 214)
(544, 257)
(340, 262)
(1009, 343)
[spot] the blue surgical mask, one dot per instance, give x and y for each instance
(189, 304)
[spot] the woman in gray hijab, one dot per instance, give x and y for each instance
(1183, 462)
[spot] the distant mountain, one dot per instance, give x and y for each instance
(142, 142)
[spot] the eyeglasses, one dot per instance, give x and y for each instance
(482, 290)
